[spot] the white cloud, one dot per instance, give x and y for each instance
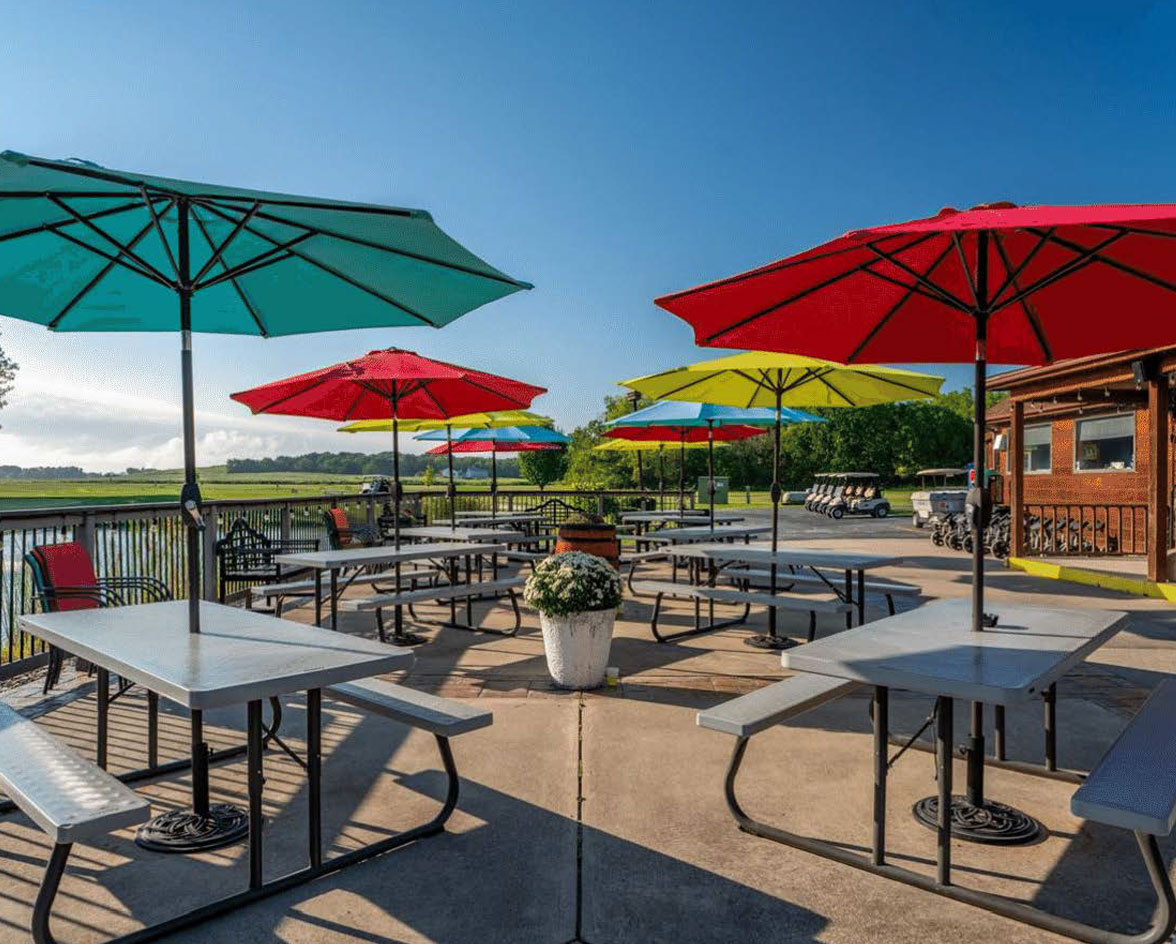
(108, 431)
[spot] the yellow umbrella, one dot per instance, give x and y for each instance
(639, 446)
(465, 421)
(761, 378)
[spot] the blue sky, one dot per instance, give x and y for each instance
(606, 152)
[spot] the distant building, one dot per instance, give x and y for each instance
(472, 474)
(1087, 442)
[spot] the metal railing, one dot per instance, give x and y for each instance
(1084, 530)
(148, 539)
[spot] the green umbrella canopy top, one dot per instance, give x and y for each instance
(84, 248)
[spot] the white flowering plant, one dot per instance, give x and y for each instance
(574, 582)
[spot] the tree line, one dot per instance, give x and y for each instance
(379, 463)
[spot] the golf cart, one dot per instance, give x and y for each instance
(818, 489)
(861, 495)
(376, 485)
(937, 498)
(834, 487)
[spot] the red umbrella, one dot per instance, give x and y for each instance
(470, 445)
(1019, 285)
(391, 384)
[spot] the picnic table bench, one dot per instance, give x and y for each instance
(700, 593)
(786, 579)
(452, 592)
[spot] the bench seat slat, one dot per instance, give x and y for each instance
(1134, 785)
(781, 601)
(754, 712)
(69, 797)
(786, 576)
(444, 592)
(307, 586)
(447, 717)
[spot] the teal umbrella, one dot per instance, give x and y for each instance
(84, 248)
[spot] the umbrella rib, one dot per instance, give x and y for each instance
(296, 393)
(99, 173)
(49, 227)
(804, 293)
(885, 319)
(249, 307)
(944, 295)
(355, 403)
(1097, 256)
(99, 231)
(276, 254)
(89, 286)
(1026, 308)
(685, 386)
(150, 204)
(889, 381)
(958, 242)
(1085, 257)
(1012, 276)
(331, 270)
(153, 276)
(522, 404)
(403, 253)
(219, 251)
(819, 377)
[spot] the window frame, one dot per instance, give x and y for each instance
(1078, 421)
(1025, 451)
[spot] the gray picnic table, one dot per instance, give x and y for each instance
(333, 561)
(1016, 660)
(239, 658)
(815, 560)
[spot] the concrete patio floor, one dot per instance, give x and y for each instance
(599, 817)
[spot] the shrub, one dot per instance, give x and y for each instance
(573, 583)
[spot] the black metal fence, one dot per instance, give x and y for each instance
(1085, 530)
(148, 539)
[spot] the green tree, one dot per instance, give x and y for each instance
(7, 376)
(543, 466)
(430, 474)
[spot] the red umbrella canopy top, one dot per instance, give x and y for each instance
(679, 434)
(1060, 282)
(471, 445)
(366, 389)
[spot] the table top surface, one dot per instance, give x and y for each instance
(680, 516)
(934, 650)
(384, 554)
(238, 655)
(786, 556)
(501, 515)
(462, 532)
(702, 532)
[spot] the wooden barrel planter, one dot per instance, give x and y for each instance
(598, 539)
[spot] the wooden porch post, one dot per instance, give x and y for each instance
(1017, 479)
(1158, 482)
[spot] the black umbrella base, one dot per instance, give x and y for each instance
(768, 641)
(185, 832)
(409, 639)
(992, 823)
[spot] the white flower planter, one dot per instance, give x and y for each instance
(577, 647)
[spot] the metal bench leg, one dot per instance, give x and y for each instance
(890, 603)
(812, 630)
(43, 906)
(698, 629)
(1050, 697)
(1163, 922)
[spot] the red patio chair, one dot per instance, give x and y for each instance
(64, 579)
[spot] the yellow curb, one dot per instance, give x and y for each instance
(1138, 586)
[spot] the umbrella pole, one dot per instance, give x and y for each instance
(190, 494)
(682, 473)
(975, 774)
(452, 484)
(771, 640)
(661, 476)
(493, 481)
(640, 473)
(710, 469)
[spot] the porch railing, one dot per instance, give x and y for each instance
(1083, 530)
(148, 539)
